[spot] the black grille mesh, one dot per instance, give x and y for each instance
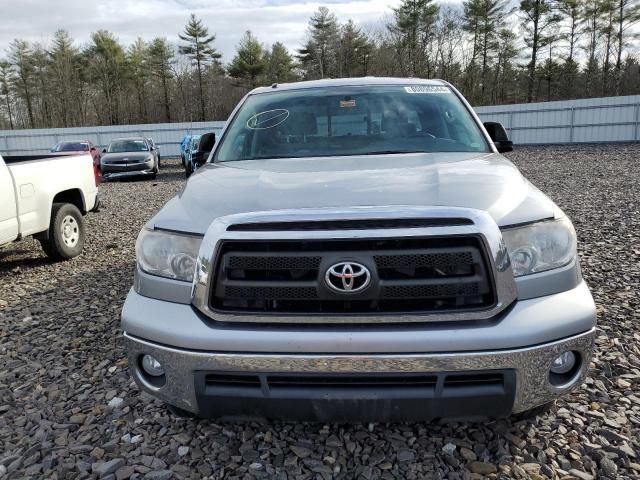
(414, 275)
(273, 263)
(420, 260)
(272, 293)
(430, 291)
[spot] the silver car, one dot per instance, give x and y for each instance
(358, 250)
(129, 157)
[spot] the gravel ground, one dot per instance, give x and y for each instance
(69, 409)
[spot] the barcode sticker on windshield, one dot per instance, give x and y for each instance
(427, 89)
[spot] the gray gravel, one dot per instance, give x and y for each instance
(68, 408)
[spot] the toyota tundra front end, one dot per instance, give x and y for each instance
(358, 250)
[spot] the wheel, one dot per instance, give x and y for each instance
(536, 411)
(187, 169)
(182, 159)
(179, 412)
(158, 161)
(66, 232)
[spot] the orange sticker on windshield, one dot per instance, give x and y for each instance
(347, 103)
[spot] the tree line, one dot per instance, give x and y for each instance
(540, 50)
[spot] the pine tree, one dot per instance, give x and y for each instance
(249, 62)
(21, 57)
(538, 18)
(413, 27)
(160, 58)
(354, 52)
(108, 69)
(200, 50)
(607, 33)
(42, 77)
(319, 54)
(504, 71)
(66, 76)
(627, 16)
(279, 64)
(6, 75)
(137, 55)
(483, 19)
(570, 12)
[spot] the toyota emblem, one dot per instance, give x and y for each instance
(347, 277)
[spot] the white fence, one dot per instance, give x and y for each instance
(166, 135)
(595, 120)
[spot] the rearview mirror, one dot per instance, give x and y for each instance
(499, 136)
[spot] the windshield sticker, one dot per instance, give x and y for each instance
(268, 119)
(347, 103)
(427, 89)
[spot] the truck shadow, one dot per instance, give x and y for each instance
(22, 255)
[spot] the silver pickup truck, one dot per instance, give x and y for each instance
(358, 250)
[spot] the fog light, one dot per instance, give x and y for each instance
(564, 363)
(151, 366)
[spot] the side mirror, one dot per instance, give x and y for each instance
(499, 136)
(104, 150)
(207, 141)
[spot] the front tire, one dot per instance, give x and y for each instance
(187, 169)
(66, 232)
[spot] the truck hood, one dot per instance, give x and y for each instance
(130, 156)
(483, 181)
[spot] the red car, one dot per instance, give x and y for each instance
(83, 146)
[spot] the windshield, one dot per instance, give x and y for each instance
(120, 146)
(351, 121)
(71, 147)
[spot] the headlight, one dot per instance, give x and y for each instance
(166, 254)
(540, 246)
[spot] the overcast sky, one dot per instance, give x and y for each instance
(269, 20)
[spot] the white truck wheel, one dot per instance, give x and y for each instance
(66, 232)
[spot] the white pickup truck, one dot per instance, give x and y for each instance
(46, 197)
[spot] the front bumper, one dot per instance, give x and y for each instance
(184, 369)
(127, 170)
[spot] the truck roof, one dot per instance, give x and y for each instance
(347, 82)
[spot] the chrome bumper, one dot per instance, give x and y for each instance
(531, 365)
(132, 173)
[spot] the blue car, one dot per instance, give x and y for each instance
(192, 149)
(184, 144)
